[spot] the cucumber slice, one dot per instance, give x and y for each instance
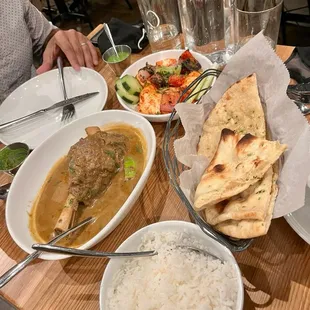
(121, 91)
(131, 85)
(207, 81)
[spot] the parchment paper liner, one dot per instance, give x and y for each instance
(285, 122)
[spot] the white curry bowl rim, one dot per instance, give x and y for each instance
(152, 58)
(32, 174)
(133, 241)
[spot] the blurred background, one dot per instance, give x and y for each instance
(83, 15)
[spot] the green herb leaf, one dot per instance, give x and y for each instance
(130, 168)
(10, 158)
(110, 153)
(139, 149)
(260, 192)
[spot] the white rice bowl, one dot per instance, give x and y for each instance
(175, 278)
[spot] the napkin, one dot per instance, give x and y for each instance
(124, 34)
(285, 123)
(298, 65)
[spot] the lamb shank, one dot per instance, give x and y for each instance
(93, 162)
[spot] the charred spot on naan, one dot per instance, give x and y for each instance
(226, 134)
(245, 141)
(219, 168)
(228, 97)
(221, 206)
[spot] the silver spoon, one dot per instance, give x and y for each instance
(11, 273)
(109, 35)
(88, 253)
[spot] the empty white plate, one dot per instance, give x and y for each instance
(300, 219)
(43, 91)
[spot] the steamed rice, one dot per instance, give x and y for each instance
(175, 279)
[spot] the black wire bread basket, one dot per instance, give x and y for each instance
(174, 130)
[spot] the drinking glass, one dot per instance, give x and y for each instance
(207, 27)
(254, 16)
(162, 22)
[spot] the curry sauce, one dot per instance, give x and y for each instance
(53, 194)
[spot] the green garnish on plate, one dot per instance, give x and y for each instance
(11, 158)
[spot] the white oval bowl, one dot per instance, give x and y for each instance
(151, 59)
(32, 174)
(133, 242)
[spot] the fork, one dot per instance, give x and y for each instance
(304, 109)
(68, 111)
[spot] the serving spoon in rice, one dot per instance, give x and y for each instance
(90, 253)
(198, 250)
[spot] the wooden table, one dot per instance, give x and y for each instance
(275, 268)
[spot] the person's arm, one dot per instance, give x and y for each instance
(54, 42)
(39, 27)
(51, 34)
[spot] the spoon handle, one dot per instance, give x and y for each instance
(11, 273)
(88, 253)
(109, 35)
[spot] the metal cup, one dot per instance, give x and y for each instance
(120, 66)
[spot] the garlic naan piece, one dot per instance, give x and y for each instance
(251, 204)
(246, 229)
(240, 110)
(239, 162)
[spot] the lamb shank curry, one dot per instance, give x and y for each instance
(94, 179)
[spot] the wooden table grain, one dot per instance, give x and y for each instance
(275, 268)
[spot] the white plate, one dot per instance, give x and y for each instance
(300, 219)
(43, 91)
(33, 172)
(133, 242)
(151, 59)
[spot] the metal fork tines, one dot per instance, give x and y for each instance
(304, 108)
(302, 96)
(68, 111)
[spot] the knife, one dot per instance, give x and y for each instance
(11, 273)
(73, 100)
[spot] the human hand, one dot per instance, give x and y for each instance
(74, 45)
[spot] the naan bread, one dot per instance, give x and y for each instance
(240, 110)
(246, 229)
(237, 164)
(251, 204)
